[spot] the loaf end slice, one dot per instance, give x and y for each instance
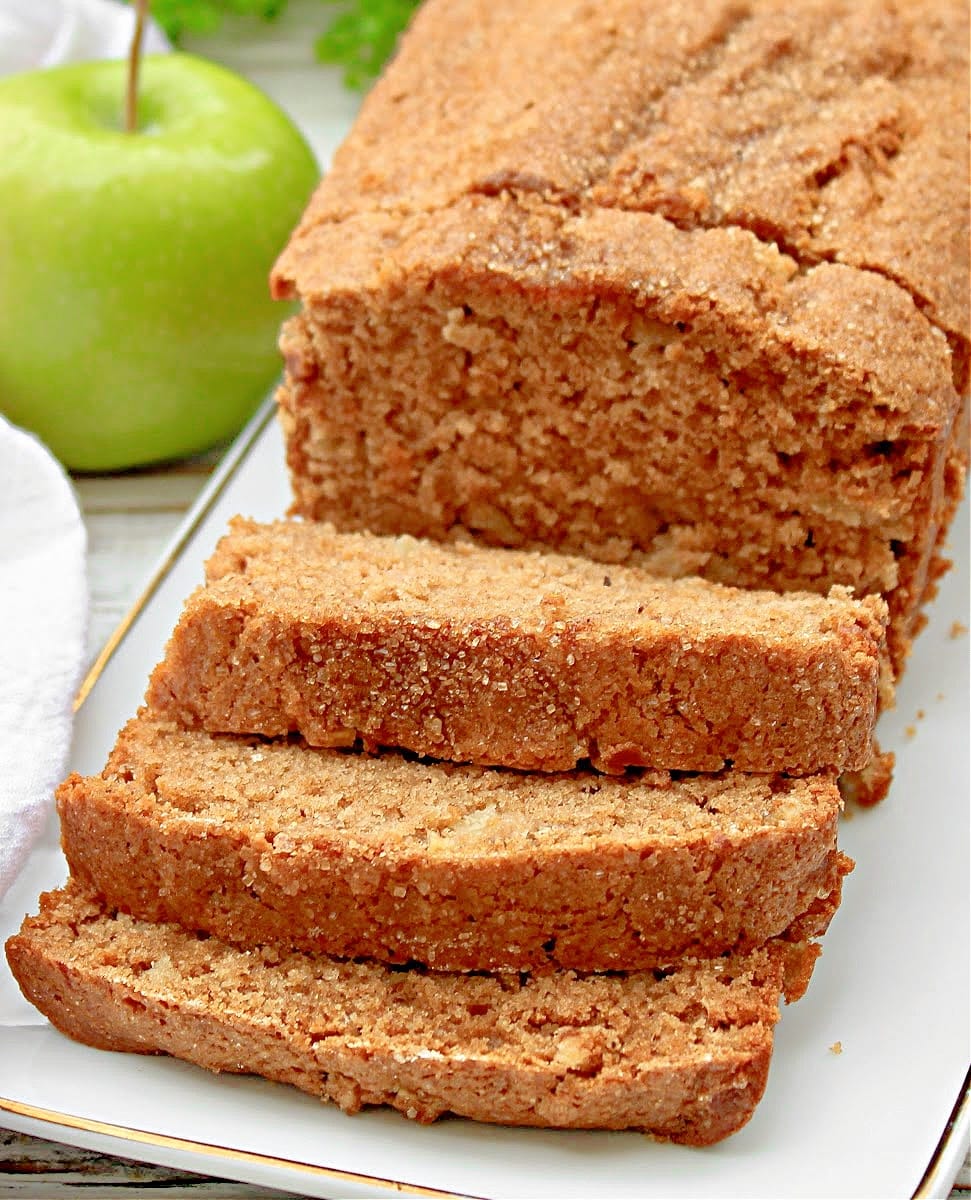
(683, 1055)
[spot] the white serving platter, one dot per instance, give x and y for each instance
(881, 1118)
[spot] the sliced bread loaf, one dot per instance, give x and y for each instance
(517, 659)
(683, 1055)
(460, 868)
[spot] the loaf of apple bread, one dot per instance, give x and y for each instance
(680, 284)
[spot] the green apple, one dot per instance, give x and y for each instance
(135, 317)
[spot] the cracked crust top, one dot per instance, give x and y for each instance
(832, 131)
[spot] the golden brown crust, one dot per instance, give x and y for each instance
(683, 1055)
(519, 660)
(460, 868)
(631, 316)
(837, 114)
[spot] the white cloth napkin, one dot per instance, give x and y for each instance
(43, 619)
(43, 592)
(42, 33)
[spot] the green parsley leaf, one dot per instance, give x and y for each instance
(179, 17)
(360, 38)
(363, 37)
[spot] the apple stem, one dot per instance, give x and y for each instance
(134, 61)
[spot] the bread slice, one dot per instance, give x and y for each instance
(683, 1055)
(516, 659)
(460, 868)
(602, 308)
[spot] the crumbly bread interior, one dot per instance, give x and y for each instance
(316, 573)
(448, 812)
(519, 660)
(462, 868)
(683, 1055)
(748, 457)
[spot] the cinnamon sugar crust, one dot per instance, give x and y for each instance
(460, 868)
(532, 661)
(683, 1054)
(685, 293)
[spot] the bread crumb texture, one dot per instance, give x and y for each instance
(461, 868)
(681, 1054)
(518, 659)
(870, 785)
